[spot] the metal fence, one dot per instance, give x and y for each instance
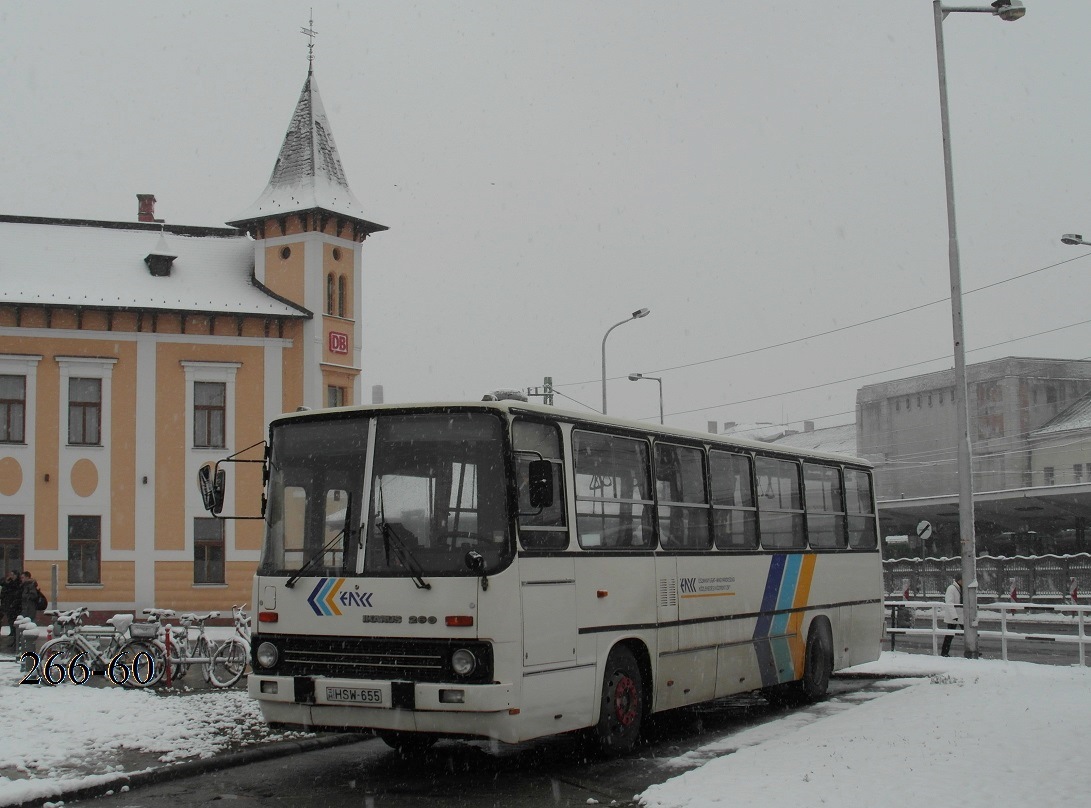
(1047, 578)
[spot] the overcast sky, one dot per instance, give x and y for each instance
(754, 173)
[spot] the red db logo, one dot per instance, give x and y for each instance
(339, 343)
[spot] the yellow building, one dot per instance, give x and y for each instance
(131, 353)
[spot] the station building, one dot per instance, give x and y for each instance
(131, 353)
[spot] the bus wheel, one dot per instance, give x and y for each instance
(408, 744)
(622, 708)
(818, 664)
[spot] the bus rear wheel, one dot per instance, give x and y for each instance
(818, 664)
(621, 712)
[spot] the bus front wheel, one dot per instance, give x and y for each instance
(621, 712)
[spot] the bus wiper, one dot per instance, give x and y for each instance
(401, 549)
(299, 573)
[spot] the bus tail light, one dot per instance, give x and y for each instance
(460, 620)
(268, 617)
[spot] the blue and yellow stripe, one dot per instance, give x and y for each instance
(778, 638)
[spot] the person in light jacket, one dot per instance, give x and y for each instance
(952, 612)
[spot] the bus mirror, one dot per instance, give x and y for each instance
(212, 484)
(541, 483)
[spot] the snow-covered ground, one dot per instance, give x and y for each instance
(976, 734)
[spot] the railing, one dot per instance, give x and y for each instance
(1008, 615)
(1040, 578)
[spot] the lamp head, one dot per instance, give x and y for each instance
(1009, 10)
(635, 377)
(1072, 238)
(641, 313)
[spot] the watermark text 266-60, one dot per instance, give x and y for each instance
(53, 671)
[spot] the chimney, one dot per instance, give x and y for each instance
(376, 394)
(145, 209)
(712, 427)
(728, 426)
(808, 426)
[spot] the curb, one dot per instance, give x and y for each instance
(191, 768)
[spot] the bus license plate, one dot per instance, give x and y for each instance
(356, 695)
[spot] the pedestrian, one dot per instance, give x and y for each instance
(28, 606)
(11, 597)
(952, 612)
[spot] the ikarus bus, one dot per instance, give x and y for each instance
(507, 570)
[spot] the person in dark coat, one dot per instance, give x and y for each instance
(11, 599)
(29, 605)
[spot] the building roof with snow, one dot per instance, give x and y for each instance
(1075, 418)
(112, 265)
(837, 439)
(308, 174)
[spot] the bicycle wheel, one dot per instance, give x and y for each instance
(144, 661)
(201, 654)
(229, 662)
(56, 653)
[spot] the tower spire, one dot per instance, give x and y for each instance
(310, 33)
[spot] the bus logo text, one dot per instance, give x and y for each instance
(327, 596)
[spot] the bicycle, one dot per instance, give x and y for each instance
(232, 656)
(127, 660)
(196, 650)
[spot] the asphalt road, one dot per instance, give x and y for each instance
(549, 773)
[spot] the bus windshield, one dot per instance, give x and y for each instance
(437, 492)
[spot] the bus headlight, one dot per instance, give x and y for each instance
(267, 655)
(463, 662)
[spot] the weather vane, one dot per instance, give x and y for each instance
(310, 33)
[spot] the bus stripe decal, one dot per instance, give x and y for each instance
(767, 665)
(795, 622)
(781, 643)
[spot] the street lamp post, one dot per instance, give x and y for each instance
(1008, 10)
(636, 315)
(635, 377)
(1074, 239)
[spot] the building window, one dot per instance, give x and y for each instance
(941, 399)
(340, 295)
(13, 406)
(84, 412)
(929, 399)
(208, 551)
(1047, 473)
(84, 549)
(1077, 473)
(209, 414)
(329, 293)
(335, 396)
(11, 543)
(898, 405)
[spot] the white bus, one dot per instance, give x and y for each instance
(507, 570)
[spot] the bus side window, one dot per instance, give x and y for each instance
(544, 528)
(734, 514)
(861, 510)
(780, 505)
(614, 505)
(825, 508)
(681, 498)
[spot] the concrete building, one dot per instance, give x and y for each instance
(908, 429)
(131, 353)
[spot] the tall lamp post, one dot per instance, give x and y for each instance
(636, 315)
(1008, 10)
(635, 377)
(1075, 239)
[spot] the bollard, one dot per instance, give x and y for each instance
(28, 641)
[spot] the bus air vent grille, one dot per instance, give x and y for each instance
(668, 592)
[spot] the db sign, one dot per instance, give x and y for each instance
(339, 343)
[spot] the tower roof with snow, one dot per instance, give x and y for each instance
(308, 174)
